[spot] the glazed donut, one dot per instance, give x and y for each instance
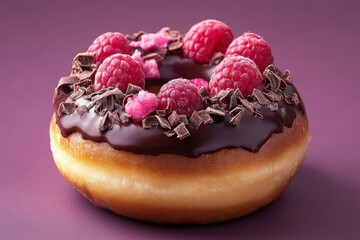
(227, 159)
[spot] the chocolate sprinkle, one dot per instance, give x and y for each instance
(149, 122)
(115, 118)
(169, 133)
(82, 110)
(181, 131)
(273, 107)
(183, 119)
(174, 118)
(237, 118)
(163, 122)
(205, 116)
(66, 108)
(260, 97)
(132, 89)
(196, 120)
(105, 123)
(214, 111)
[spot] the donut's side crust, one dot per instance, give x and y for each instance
(175, 189)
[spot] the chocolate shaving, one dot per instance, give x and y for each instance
(175, 46)
(195, 119)
(205, 116)
(174, 118)
(107, 93)
(237, 118)
(132, 89)
(273, 106)
(234, 99)
(287, 99)
(163, 122)
(258, 115)
(247, 105)
(226, 97)
(89, 90)
(154, 55)
(283, 111)
(85, 60)
(87, 74)
(65, 85)
(105, 123)
(259, 96)
(99, 108)
(181, 131)
(203, 92)
(134, 37)
(110, 103)
(216, 58)
(115, 118)
(149, 122)
(161, 113)
(173, 33)
(287, 78)
(66, 108)
(273, 96)
(77, 93)
(236, 110)
(169, 133)
(214, 111)
(295, 99)
(183, 119)
(124, 117)
(82, 110)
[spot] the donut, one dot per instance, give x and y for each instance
(198, 135)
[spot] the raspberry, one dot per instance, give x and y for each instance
(252, 46)
(108, 44)
(206, 38)
(119, 70)
(141, 105)
(199, 82)
(182, 95)
(235, 72)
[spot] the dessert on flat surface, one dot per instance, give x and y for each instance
(171, 128)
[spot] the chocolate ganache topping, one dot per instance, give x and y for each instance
(228, 120)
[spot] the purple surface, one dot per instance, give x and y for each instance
(317, 41)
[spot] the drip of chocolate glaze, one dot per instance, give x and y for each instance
(250, 133)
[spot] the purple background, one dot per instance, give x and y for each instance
(317, 40)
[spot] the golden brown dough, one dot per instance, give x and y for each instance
(176, 189)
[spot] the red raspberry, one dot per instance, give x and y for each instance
(206, 38)
(108, 44)
(141, 105)
(200, 82)
(119, 70)
(252, 46)
(235, 72)
(182, 95)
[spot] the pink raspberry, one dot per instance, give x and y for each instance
(206, 38)
(252, 46)
(119, 70)
(236, 72)
(108, 44)
(182, 95)
(199, 82)
(149, 67)
(141, 105)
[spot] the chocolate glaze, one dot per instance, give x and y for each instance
(250, 134)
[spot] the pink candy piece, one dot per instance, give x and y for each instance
(141, 105)
(199, 82)
(152, 41)
(149, 67)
